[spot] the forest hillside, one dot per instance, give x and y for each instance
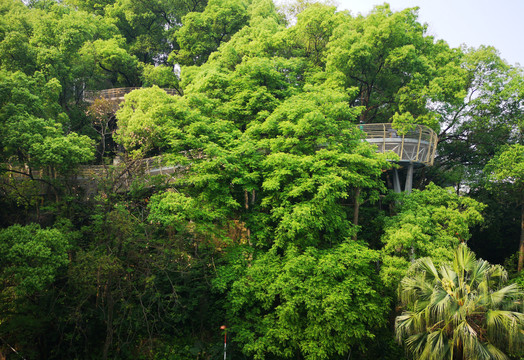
(174, 173)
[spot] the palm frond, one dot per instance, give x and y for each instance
(501, 296)
(464, 259)
(437, 344)
(478, 272)
(496, 353)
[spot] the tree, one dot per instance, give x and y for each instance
(313, 30)
(33, 260)
(430, 222)
(292, 9)
(32, 124)
(312, 304)
(49, 39)
(112, 60)
(102, 115)
(464, 310)
(315, 161)
(388, 58)
(142, 120)
(149, 27)
(32, 257)
(202, 33)
(475, 126)
(285, 181)
(161, 76)
(506, 171)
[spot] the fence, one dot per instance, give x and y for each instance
(417, 145)
(116, 94)
(121, 175)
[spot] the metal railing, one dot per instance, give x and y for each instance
(417, 145)
(116, 94)
(148, 166)
(88, 176)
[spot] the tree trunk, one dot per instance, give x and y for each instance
(521, 246)
(109, 322)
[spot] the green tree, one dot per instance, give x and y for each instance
(478, 124)
(202, 33)
(292, 9)
(464, 310)
(49, 40)
(111, 59)
(315, 160)
(391, 62)
(33, 261)
(143, 118)
(149, 27)
(313, 30)
(473, 129)
(506, 173)
(161, 76)
(32, 124)
(31, 258)
(312, 304)
(429, 223)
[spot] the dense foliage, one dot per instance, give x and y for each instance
(245, 195)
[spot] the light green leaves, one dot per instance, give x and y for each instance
(319, 303)
(111, 58)
(31, 124)
(31, 257)
(63, 153)
(142, 118)
(431, 222)
(508, 167)
(202, 33)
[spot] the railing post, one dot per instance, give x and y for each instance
(433, 144)
(402, 147)
(384, 138)
(419, 139)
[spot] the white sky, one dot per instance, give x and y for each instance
(499, 23)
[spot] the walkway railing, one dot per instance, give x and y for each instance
(116, 94)
(415, 146)
(120, 174)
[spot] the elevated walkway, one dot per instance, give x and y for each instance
(88, 177)
(116, 94)
(415, 148)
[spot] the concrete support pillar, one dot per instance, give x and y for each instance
(396, 181)
(409, 179)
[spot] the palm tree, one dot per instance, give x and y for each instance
(461, 311)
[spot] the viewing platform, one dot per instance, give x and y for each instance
(116, 94)
(416, 146)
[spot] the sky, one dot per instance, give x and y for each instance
(499, 23)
